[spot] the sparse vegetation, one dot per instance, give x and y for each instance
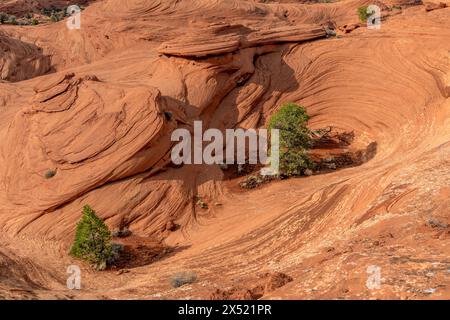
(59, 15)
(53, 11)
(49, 174)
(12, 20)
(51, 14)
(116, 251)
(54, 18)
(181, 278)
(202, 204)
(364, 14)
(121, 233)
(254, 181)
(295, 139)
(3, 18)
(93, 241)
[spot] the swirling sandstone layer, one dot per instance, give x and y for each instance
(20, 60)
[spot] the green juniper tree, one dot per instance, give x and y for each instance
(92, 240)
(295, 138)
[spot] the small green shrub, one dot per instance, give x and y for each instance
(254, 181)
(295, 138)
(50, 174)
(362, 13)
(92, 240)
(54, 13)
(57, 16)
(34, 22)
(13, 20)
(202, 204)
(121, 232)
(3, 17)
(181, 278)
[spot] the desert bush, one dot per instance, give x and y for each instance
(116, 251)
(202, 204)
(34, 22)
(46, 12)
(57, 16)
(362, 13)
(181, 278)
(295, 138)
(93, 240)
(254, 181)
(121, 232)
(12, 20)
(50, 174)
(3, 17)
